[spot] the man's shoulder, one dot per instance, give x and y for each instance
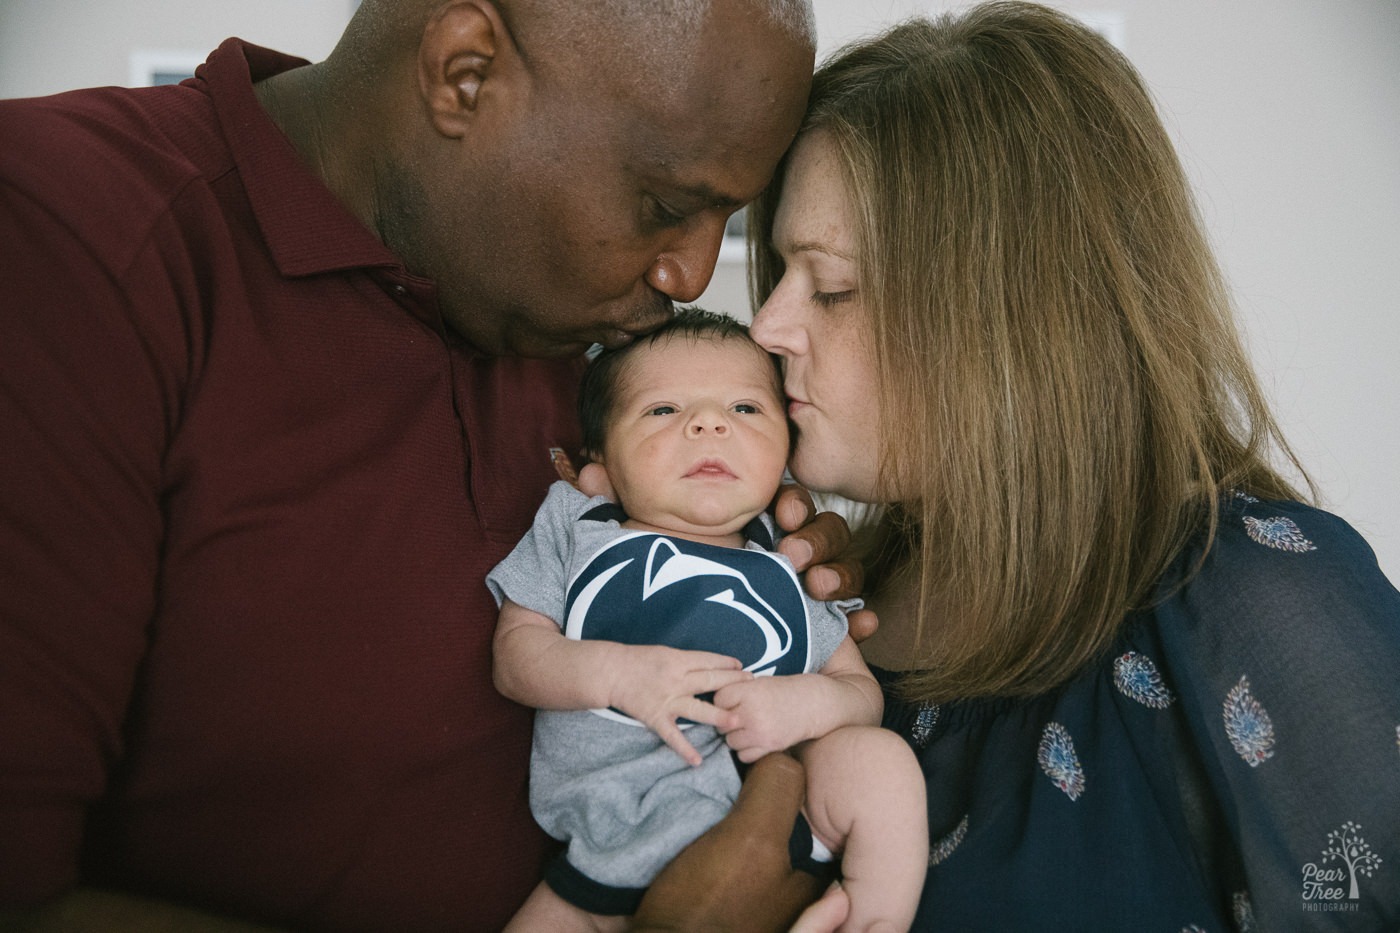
(93, 129)
(105, 159)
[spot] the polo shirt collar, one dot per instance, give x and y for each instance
(307, 229)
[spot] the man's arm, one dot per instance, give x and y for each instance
(738, 876)
(109, 912)
(87, 397)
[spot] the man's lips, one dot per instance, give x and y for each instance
(710, 468)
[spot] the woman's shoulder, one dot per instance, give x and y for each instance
(1283, 592)
(1274, 536)
(1274, 562)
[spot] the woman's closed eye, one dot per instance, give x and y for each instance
(831, 299)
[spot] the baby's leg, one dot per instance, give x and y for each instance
(865, 794)
(546, 911)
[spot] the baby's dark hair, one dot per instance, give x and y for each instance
(602, 379)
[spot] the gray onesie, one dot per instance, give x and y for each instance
(623, 800)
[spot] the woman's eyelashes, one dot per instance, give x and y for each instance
(830, 299)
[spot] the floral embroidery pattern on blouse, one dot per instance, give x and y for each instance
(1278, 532)
(922, 729)
(1137, 678)
(1244, 912)
(1248, 725)
(940, 850)
(1059, 761)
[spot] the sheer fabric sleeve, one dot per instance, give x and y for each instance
(1285, 648)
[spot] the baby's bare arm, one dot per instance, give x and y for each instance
(535, 664)
(865, 799)
(776, 713)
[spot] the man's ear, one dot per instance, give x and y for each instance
(465, 45)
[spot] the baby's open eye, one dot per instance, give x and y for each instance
(662, 410)
(744, 408)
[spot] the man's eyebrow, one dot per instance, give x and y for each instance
(704, 194)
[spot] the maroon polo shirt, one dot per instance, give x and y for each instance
(250, 487)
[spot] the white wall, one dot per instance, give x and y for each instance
(54, 45)
(1287, 114)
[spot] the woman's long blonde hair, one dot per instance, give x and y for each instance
(1061, 380)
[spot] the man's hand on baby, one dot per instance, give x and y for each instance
(814, 542)
(738, 877)
(657, 686)
(817, 544)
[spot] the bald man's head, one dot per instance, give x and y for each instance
(563, 172)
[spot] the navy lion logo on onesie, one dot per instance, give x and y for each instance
(646, 589)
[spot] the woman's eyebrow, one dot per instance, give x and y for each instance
(814, 246)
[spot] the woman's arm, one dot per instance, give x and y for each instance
(1284, 650)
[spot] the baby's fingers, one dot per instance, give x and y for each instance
(697, 710)
(671, 734)
(708, 660)
(711, 681)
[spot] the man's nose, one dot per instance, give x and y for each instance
(683, 270)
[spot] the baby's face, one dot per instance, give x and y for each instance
(698, 437)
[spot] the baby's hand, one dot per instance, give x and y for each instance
(766, 715)
(656, 686)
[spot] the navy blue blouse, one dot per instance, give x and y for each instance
(1234, 764)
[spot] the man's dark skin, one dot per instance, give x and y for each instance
(563, 177)
(734, 878)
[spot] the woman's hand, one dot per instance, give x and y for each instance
(827, 914)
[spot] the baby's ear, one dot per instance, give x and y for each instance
(593, 481)
(564, 466)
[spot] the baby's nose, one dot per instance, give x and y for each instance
(708, 423)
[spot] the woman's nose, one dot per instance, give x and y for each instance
(775, 325)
